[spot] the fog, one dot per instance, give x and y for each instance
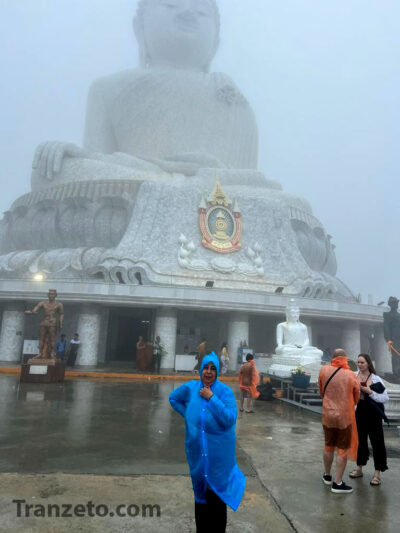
(323, 78)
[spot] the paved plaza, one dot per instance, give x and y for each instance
(120, 443)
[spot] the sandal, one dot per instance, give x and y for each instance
(355, 474)
(375, 481)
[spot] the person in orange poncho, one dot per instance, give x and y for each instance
(248, 381)
(340, 391)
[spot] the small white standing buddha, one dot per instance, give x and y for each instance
(293, 346)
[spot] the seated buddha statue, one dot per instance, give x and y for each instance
(171, 115)
(293, 340)
(156, 139)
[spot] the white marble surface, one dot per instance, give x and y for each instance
(89, 330)
(165, 327)
(351, 339)
(12, 333)
(238, 331)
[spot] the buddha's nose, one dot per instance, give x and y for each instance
(188, 15)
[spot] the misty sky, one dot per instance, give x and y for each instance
(323, 77)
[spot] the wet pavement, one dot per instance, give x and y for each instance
(109, 441)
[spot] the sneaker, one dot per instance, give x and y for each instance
(341, 489)
(327, 479)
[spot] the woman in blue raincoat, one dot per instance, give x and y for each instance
(209, 409)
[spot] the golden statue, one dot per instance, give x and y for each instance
(53, 319)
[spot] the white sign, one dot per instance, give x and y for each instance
(38, 369)
(185, 362)
(30, 347)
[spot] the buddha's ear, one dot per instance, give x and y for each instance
(138, 30)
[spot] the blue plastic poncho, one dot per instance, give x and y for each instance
(210, 438)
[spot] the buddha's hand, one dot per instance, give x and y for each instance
(188, 163)
(49, 157)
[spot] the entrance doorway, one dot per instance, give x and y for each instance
(125, 327)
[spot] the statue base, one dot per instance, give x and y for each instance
(284, 369)
(42, 371)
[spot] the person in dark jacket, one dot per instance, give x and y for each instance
(369, 416)
(209, 409)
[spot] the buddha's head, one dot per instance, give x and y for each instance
(177, 33)
(292, 312)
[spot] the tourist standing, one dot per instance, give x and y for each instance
(201, 352)
(209, 409)
(61, 347)
(224, 358)
(157, 354)
(73, 350)
(340, 391)
(141, 354)
(369, 415)
(248, 381)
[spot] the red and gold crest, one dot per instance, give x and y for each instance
(220, 223)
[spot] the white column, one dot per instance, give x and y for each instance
(238, 331)
(380, 352)
(12, 333)
(351, 339)
(89, 328)
(165, 327)
(308, 323)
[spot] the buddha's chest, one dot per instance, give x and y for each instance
(187, 111)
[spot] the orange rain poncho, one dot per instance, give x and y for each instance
(249, 378)
(339, 401)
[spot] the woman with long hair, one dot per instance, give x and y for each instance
(369, 415)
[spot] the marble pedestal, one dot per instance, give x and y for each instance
(283, 366)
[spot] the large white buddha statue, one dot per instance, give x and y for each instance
(293, 345)
(137, 196)
(171, 113)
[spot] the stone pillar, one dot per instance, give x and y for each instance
(166, 326)
(12, 332)
(238, 331)
(89, 329)
(308, 323)
(105, 316)
(351, 339)
(380, 352)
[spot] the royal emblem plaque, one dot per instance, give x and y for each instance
(220, 222)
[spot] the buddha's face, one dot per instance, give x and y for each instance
(180, 33)
(293, 314)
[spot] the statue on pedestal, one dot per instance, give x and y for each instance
(53, 319)
(156, 139)
(391, 332)
(293, 345)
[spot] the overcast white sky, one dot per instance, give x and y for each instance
(323, 77)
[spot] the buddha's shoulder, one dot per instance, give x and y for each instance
(118, 81)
